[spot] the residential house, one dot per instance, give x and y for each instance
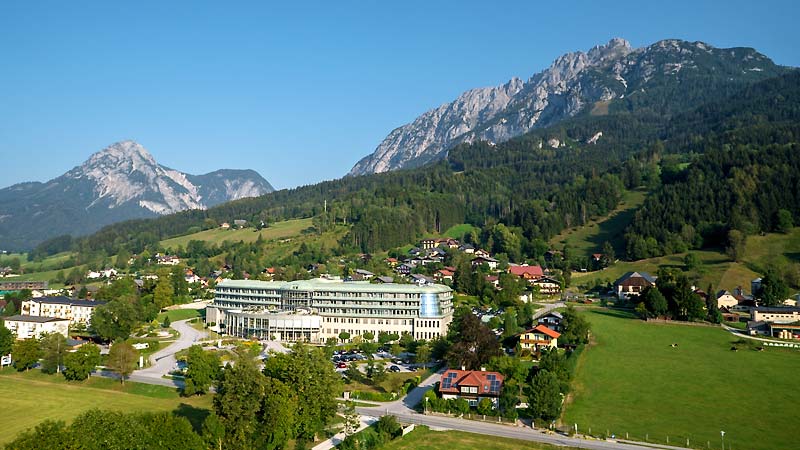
(20, 285)
(191, 277)
(726, 300)
(482, 253)
(471, 385)
(384, 280)
(27, 327)
(404, 269)
(633, 283)
(427, 243)
(241, 223)
(392, 262)
(552, 255)
(225, 226)
(779, 314)
(494, 280)
(467, 248)
(728, 315)
(538, 338)
(444, 275)
(552, 320)
(361, 274)
(547, 285)
(170, 260)
(488, 260)
(421, 279)
(525, 271)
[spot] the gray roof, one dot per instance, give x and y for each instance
(630, 275)
(62, 300)
(36, 319)
(777, 309)
(320, 284)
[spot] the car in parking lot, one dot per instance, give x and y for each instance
(394, 368)
(341, 365)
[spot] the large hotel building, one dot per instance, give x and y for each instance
(315, 310)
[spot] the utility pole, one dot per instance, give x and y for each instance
(722, 436)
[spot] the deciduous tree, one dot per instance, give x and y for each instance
(25, 353)
(122, 359)
(79, 364)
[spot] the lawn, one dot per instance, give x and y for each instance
(631, 380)
(179, 314)
(277, 230)
(393, 382)
(33, 397)
(422, 438)
(590, 238)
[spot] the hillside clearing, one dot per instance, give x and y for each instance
(277, 230)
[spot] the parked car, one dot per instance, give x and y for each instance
(341, 365)
(394, 368)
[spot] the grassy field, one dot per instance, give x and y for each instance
(422, 438)
(632, 380)
(278, 230)
(179, 314)
(590, 238)
(393, 382)
(30, 398)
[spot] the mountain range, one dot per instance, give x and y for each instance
(120, 182)
(576, 83)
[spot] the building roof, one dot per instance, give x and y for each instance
(384, 279)
(555, 314)
(35, 319)
(488, 383)
(636, 275)
(526, 271)
(777, 309)
(321, 284)
(546, 331)
(485, 258)
(62, 300)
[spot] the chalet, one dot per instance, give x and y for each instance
(726, 300)
(488, 260)
(529, 273)
(467, 248)
(547, 285)
(471, 385)
(404, 269)
(494, 280)
(552, 320)
(443, 275)
(415, 251)
(361, 274)
(421, 280)
(225, 226)
(482, 253)
(191, 277)
(392, 262)
(169, 260)
(538, 338)
(633, 283)
(384, 280)
(436, 253)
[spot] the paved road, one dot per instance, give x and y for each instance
(163, 361)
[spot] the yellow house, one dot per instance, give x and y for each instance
(539, 338)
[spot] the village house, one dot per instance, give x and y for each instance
(494, 280)
(471, 385)
(525, 271)
(632, 284)
(392, 262)
(384, 280)
(552, 320)
(225, 226)
(27, 327)
(444, 275)
(467, 248)
(361, 274)
(488, 260)
(170, 260)
(547, 285)
(404, 269)
(538, 338)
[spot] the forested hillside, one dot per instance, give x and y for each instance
(535, 188)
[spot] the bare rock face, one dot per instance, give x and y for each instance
(120, 182)
(572, 83)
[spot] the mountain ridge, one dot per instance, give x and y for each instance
(565, 89)
(122, 181)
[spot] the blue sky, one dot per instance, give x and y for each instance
(298, 92)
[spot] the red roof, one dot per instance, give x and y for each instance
(391, 260)
(526, 271)
(452, 380)
(446, 273)
(547, 331)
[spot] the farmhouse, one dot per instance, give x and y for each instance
(27, 327)
(726, 300)
(488, 260)
(775, 314)
(633, 283)
(552, 320)
(539, 338)
(529, 273)
(472, 385)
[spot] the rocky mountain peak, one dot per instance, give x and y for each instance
(573, 82)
